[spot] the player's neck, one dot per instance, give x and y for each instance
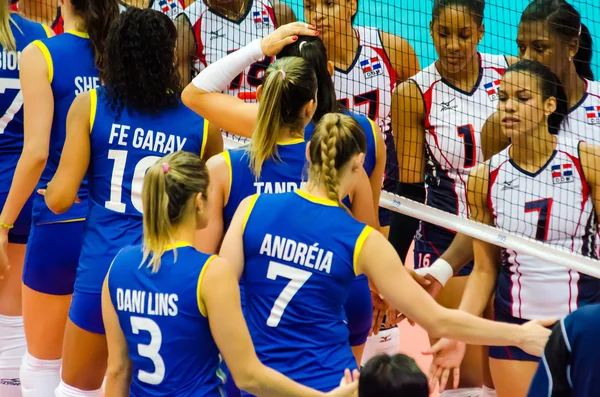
(286, 134)
(233, 9)
(464, 79)
(341, 49)
(574, 86)
(319, 190)
(73, 22)
(185, 231)
(533, 149)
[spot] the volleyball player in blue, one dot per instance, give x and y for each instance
(169, 309)
(114, 133)
(52, 72)
(299, 253)
(16, 33)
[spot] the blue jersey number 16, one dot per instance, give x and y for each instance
(297, 279)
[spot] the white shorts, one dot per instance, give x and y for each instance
(385, 342)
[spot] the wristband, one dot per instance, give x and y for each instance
(6, 226)
(218, 75)
(440, 270)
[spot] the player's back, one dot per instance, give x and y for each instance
(11, 96)
(168, 335)
(279, 174)
(300, 253)
(123, 146)
(72, 70)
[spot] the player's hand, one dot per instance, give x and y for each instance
(392, 318)
(348, 385)
(448, 355)
(285, 35)
(535, 336)
(434, 288)
(380, 308)
(4, 264)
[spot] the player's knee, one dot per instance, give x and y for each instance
(39, 378)
(64, 390)
(396, 375)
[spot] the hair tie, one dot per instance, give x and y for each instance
(301, 44)
(580, 25)
(339, 121)
(282, 73)
(165, 167)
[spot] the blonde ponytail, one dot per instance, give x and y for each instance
(170, 187)
(289, 84)
(328, 169)
(7, 39)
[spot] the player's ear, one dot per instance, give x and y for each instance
(359, 161)
(550, 106)
(308, 152)
(259, 92)
(330, 68)
(481, 31)
(200, 202)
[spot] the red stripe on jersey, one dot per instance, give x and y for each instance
(519, 285)
(388, 65)
(271, 15)
(500, 71)
(200, 55)
(585, 193)
(492, 179)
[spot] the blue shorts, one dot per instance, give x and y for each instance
(359, 311)
(431, 242)
(52, 257)
(19, 234)
(508, 352)
(86, 312)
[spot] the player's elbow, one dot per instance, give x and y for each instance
(190, 95)
(57, 202)
(247, 378)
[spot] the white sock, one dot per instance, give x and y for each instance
(64, 390)
(467, 392)
(39, 378)
(12, 349)
(487, 392)
(387, 341)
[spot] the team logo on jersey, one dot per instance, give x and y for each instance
(562, 173)
(492, 88)
(167, 5)
(593, 114)
(450, 105)
(508, 185)
(371, 67)
(261, 18)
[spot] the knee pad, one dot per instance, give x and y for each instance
(469, 392)
(64, 390)
(39, 378)
(387, 341)
(12, 342)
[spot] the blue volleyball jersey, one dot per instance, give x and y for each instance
(300, 254)
(11, 97)
(278, 175)
(168, 336)
(71, 71)
(368, 127)
(123, 147)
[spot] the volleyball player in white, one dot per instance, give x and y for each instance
(211, 29)
(542, 187)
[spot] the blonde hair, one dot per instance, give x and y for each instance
(289, 84)
(170, 186)
(337, 138)
(7, 39)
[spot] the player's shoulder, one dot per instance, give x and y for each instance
(28, 28)
(426, 78)
(195, 10)
(494, 61)
(593, 88)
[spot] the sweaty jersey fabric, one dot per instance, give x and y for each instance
(123, 147)
(168, 335)
(216, 36)
(553, 205)
(71, 69)
(300, 253)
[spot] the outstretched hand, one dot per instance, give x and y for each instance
(448, 356)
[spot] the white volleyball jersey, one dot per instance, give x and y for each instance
(583, 121)
(216, 36)
(366, 87)
(171, 8)
(553, 205)
(453, 122)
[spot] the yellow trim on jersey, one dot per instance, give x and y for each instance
(77, 33)
(315, 199)
(178, 244)
(201, 306)
(227, 158)
(292, 142)
(48, 30)
(253, 199)
(204, 138)
(48, 58)
(93, 106)
(373, 130)
(65, 221)
(360, 241)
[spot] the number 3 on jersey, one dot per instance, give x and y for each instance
(150, 351)
(116, 181)
(297, 279)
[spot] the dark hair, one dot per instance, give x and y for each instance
(397, 375)
(313, 51)
(551, 87)
(97, 16)
(564, 21)
(336, 139)
(141, 73)
(477, 7)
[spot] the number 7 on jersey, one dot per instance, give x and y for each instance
(297, 279)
